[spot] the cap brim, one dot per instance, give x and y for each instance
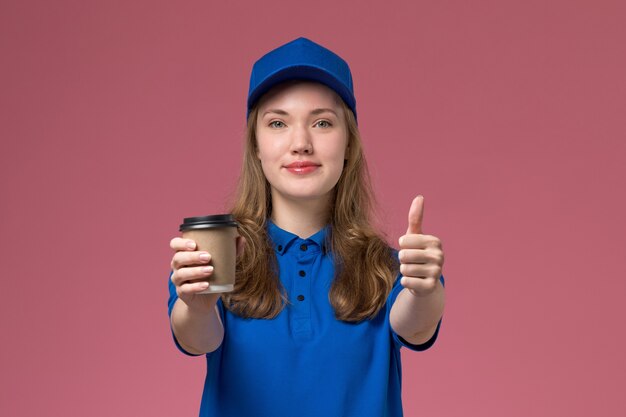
(301, 72)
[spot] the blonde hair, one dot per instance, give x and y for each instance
(365, 268)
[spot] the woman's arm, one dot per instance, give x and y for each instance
(194, 318)
(415, 317)
(419, 306)
(198, 331)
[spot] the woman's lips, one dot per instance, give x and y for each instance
(302, 167)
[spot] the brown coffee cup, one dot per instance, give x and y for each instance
(217, 235)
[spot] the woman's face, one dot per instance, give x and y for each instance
(302, 139)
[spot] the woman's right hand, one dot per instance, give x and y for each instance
(191, 272)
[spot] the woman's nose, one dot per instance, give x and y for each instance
(301, 142)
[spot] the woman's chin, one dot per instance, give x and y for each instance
(303, 195)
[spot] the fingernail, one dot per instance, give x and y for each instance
(207, 269)
(191, 245)
(204, 256)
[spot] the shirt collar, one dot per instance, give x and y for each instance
(283, 239)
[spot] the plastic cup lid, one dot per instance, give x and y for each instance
(205, 222)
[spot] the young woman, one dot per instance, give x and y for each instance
(321, 305)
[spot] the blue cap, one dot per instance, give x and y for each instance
(301, 59)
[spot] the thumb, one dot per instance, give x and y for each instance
(416, 214)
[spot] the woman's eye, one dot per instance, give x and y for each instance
(276, 123)
(324, 123)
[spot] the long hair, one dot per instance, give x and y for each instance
(365, 267)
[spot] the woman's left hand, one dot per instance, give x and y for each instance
(421, 256)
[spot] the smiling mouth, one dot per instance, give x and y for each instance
(300, 164)
(302, 167)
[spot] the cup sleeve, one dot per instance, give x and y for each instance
(173, 296)
(398, 340)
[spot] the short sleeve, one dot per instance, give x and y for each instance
(399, 341)
(173, 296)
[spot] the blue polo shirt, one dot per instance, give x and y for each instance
(304, 362)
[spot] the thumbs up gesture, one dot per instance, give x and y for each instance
(421, 256)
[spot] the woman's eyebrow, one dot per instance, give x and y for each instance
(277, 111)
(323, 110)
(313, 112)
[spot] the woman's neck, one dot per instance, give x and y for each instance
(303, 218)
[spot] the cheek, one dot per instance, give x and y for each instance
(268, 156)
(270, 147)
(264, 150)
(341, 151)
(265, 161)
(337, 157)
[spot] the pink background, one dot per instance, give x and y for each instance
(120, 118)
